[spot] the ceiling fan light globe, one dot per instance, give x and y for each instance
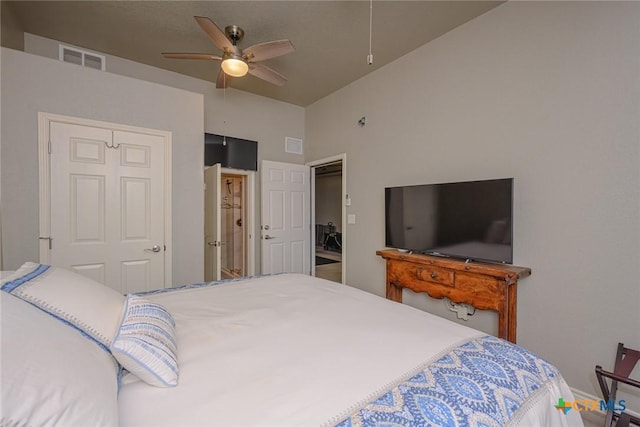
(235, 67)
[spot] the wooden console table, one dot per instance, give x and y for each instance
(482, 285)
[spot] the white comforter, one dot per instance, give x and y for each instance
(292, 350)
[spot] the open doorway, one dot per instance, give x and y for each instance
(229, 221)
(328, 195)
(233, 226)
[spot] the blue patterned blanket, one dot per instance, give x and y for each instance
(480, 383)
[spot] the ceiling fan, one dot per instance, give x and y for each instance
(237, 62)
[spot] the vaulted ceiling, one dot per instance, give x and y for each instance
(331, 38)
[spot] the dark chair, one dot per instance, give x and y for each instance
(626, 360)
(624, 420)
(323, 232)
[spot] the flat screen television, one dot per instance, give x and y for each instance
(469, 220)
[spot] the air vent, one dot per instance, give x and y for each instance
(82, 57)
(293, 145)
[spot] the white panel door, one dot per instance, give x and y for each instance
(286, 230)
(212, 243)
(107, 205)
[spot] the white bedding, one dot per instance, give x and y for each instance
(292, 350)
(6, 273)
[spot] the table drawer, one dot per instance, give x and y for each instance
(435, 275)
(413, 275)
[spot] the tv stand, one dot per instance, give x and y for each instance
(484, 286)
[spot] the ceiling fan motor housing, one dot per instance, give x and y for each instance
(234, 32)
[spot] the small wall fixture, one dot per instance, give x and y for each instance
(362, 121)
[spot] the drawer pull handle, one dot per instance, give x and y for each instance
(434, 275)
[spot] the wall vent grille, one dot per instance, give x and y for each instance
(293, 145)
(81, 57)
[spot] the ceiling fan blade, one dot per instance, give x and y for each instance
(268, 50)
(265, 73)
(215, 34)
(223, 80)
(192, 56)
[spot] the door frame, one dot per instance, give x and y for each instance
(212, 197)
(44, 170)
(313, 165)
(250, 202)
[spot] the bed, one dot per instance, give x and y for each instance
(279, 350)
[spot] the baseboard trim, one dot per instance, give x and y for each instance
(581, 395)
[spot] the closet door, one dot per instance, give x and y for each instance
(107, 205)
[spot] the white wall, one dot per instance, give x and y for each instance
(547, 93)
(329, 200)
(1, 257)
(231, 112)
(32, 84)
(234, 113)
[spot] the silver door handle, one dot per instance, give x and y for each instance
(155, 248)
(267, 237)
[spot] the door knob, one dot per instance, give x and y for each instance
(267, 237)
(155, 248)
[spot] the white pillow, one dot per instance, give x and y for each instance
(51, 374)
(146, 344)
(85, 304)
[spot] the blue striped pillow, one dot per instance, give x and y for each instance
(145, 344)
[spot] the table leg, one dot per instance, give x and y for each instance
(512, 304)
(394, 293)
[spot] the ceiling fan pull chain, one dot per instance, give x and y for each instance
(370, 56)
(224, 110)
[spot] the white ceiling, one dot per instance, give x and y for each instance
(331, 38)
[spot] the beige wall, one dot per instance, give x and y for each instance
(234, 113)
(547, 93)
(329, 200)
(33, 84)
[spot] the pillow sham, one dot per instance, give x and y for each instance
(91, 307)
(145, 344)
(52, 375)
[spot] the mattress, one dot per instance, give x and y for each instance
(293, 350)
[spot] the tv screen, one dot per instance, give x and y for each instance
(236, 153)
(469, 220)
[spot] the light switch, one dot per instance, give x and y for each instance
(351, 219)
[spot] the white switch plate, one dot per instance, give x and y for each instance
(351, 218)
